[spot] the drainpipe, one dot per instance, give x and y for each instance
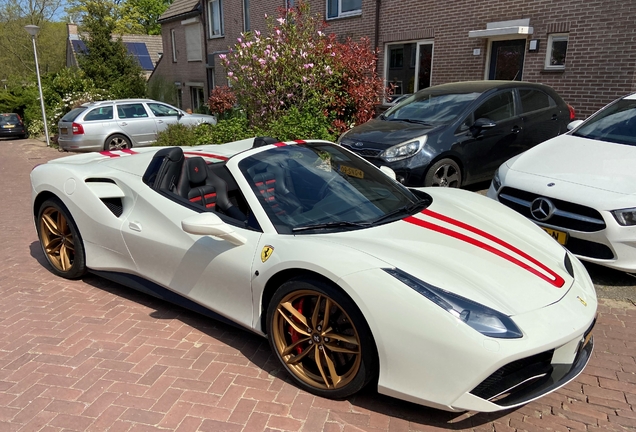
(205, 45)
(377, 30)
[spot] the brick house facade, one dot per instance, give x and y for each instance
(585, 50)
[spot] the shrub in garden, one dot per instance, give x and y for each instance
(298, 65)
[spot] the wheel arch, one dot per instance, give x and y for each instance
(39, 200)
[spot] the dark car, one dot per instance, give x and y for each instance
(459, 133)
(11, 125)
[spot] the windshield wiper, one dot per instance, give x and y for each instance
(406, 209)
(333, 224)
(422, 122)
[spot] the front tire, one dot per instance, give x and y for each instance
(321, 338)
(60, 240)
(444, 173)
(117, 142)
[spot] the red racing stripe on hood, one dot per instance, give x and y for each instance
(556, 280)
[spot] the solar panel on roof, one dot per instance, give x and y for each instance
(140, 52)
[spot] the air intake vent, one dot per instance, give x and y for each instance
(114, 205)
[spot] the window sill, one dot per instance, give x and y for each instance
(216, 37)
(195, 61)
(553, 71)
(347, 15)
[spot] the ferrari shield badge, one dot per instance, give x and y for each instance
(267, 252)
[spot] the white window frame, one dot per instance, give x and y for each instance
(211, 16)
(173, 40)
(340, 13)
(246, 16)
(555, 37)
(387, 61)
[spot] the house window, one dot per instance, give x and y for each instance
(173, 40)
(246, 15)
(215, 18)
(197, 97)
(193, 42)
(408, 66)
(557, 49)
(289, 4)
(343, 8)
(179, 97)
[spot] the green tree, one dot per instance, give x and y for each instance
(107, 62)
(127, 16)
(16, 49)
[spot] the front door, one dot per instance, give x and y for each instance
(506, 60)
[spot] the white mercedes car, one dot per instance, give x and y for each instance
(580, 187)
(437, 296)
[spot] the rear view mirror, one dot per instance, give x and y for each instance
(211, 224)
(484, 123)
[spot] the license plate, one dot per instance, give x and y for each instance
(8, 126)
(63, 130)
(559, 236)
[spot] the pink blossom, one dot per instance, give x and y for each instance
(239, 40)
(320, 33)
(262, 61)
(278, 32)
(308, 65)
(222, 56)
(281, 20)
(230, 74)
(256, 32)
(305, 79)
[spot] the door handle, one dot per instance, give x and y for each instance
(134, 226)
(555, 117)
(516, 129)
(123, 123)
(159, 121)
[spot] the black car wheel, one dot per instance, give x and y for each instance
(321, 338)
(444, 173)
(117, 142)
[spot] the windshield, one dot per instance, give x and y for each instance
(319, 186)
(616, 124)
(431, 108)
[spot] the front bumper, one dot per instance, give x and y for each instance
(429, 357)
(612, 246)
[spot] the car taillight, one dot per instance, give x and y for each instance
(20, 119)
(78, 129)
(572, 112)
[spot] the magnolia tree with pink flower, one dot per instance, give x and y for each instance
(297, 67)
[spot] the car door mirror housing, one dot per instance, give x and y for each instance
(210, 224)
(179, 114)
(388, 171)
(574, 124)
(484, 123)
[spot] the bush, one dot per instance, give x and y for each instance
(298, 66)
(295, 124)
(177, 135)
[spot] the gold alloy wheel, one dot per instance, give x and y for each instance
(316, 340)
(57, 239)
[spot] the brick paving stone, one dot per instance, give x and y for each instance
(91, 355)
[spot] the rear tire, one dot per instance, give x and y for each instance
(60, 240)
(117, 142)
(444, 173)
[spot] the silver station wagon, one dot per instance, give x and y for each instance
(121, 124)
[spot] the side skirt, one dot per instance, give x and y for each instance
(147, 287)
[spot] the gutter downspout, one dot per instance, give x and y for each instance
(378, 3)
(205, 46)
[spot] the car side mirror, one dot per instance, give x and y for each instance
(574, 124)
(388, 171)
(179, 114)
(212, 225)
(481, 124)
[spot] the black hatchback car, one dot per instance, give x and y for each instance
(459, 133)
(11, 125)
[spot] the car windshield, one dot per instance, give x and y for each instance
(616, 124)
(431, 108)
(72, 114)
(320, 186)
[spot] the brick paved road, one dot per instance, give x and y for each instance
(92, 355)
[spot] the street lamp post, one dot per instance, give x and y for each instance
(33, 31)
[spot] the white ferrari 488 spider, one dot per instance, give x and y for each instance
(438, 296)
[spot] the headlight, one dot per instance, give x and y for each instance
(403, 151)
(496, 181)
(486, 321)
(625, 217)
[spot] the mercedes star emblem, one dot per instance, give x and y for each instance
(542, 209)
